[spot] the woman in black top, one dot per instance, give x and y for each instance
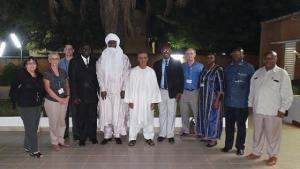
(27, 93)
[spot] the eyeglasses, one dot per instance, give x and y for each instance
(30, 63)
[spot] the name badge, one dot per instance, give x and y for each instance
(61, 91)
(189, 81)
(202, 85)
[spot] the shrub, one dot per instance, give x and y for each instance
(296, 87)
(8, 73)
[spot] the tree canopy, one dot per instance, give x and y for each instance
(217, 25)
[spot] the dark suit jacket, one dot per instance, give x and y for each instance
(174, 74)
(83, 80)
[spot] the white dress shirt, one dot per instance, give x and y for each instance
(86, 60)
(270, 91)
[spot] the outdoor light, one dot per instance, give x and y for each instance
(17, 42)
(2, 47)
(179, 57)
(223, 54)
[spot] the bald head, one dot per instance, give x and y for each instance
(270, 59)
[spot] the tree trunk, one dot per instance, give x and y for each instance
(169, 6)
(109, 11)
(116, 16)
(68, 5)
(126, 7)
(83, 6)
(53, 8)
(181, 3)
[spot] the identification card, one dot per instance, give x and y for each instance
(61, 91)
(202, 85)
(189, 81)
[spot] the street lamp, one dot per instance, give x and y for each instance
(2, 47)
(17, 43)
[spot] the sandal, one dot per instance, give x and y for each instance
(150, 142)
(56, 147)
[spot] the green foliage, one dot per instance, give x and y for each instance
(8, 73)
(182, 41)
(217, 25)
(30, 20)
(220, 25)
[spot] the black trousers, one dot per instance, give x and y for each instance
(73, 113)
(87, 118)
(239, 117)
(31, 119)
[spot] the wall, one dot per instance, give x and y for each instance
(277, 31)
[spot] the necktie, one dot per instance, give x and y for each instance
(87, 62)
(166, 75)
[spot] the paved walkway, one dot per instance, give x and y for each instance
(186, 153)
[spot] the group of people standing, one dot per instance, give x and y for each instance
(125, 97)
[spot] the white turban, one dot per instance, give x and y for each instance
(112, 58)
(112, 36)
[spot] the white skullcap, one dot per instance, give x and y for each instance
(112, 36)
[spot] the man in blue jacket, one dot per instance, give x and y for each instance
(237, 85)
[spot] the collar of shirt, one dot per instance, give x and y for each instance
(240, 63)
(86, 60)
(192, 65)
(275, 69)
(168, 60)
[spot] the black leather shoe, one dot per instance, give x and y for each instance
(240, 152)
(105, 141)
(81, 143)
(171, 140)
(225, 150)
(160, 139)
(94, 141)
(118, 140)
(211, 144)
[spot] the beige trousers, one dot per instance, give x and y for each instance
(267, 129)
(56, 114)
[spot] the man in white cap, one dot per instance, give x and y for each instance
(113, 69)
(142, 93)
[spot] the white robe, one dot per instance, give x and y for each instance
(142, 90)
(112, 72)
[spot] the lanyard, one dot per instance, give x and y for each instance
(57, 78)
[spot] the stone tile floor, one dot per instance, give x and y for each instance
(186, 153)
